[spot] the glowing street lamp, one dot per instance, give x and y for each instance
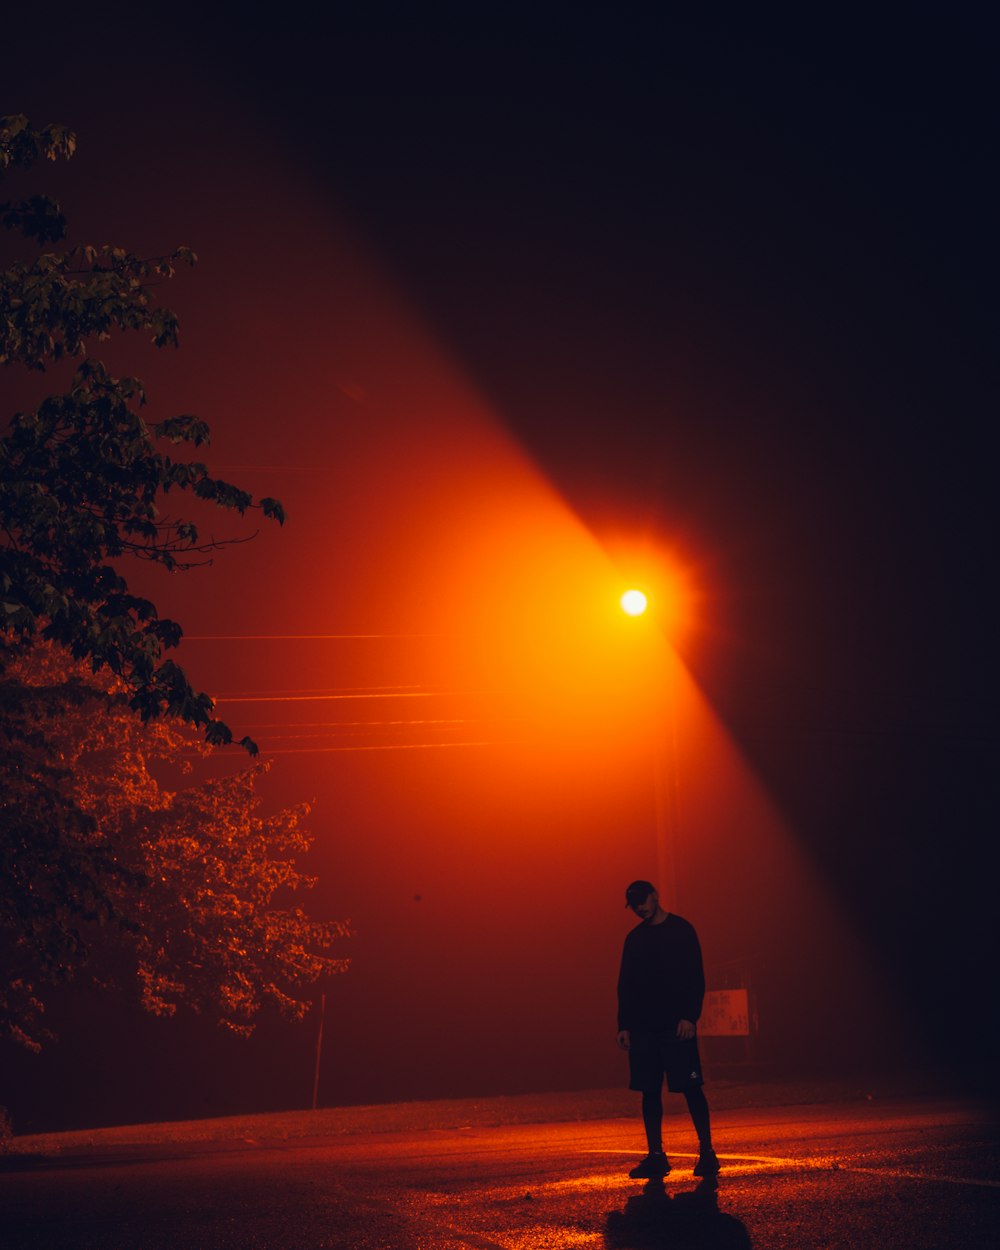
(633, 602)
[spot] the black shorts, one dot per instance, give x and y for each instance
(653, 1056)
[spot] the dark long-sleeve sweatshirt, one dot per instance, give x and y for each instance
(662, 979)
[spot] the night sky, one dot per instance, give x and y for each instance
(477, 289)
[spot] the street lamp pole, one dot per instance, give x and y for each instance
(664, 766)
(666, 786)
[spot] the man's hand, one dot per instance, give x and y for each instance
(685, 1030)
(624, 1039)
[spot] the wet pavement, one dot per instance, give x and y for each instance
(919, 1174)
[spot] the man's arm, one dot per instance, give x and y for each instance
(694, 983)
(624, 997)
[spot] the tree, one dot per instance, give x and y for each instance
(187, 882)
(186, 886)
(83, 487)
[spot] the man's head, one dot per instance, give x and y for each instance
(642, 898)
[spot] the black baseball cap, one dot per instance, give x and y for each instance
(638, 892)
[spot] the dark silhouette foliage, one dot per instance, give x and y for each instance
(84, 486)
(101, 860)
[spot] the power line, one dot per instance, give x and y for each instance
(271, 468)
(391, 746)
(325, 698)
(298, 637)
(356, 729)
(345, 724)
(396, 687)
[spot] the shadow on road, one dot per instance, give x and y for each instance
(654, 1220)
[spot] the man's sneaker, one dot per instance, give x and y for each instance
(707, 1165)
(655, 1164)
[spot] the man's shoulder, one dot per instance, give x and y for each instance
(679, 925)
(670, 927)
(636, 934)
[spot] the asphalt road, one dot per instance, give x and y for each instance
(919, 1174)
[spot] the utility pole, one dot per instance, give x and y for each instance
(319, 1049)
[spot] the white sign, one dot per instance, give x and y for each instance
(725, 1013)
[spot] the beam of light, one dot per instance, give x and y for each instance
(769, 907)
(421, 523)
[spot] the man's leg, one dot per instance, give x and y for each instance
(652, 1119)
(697, 1103)
(683, 1068)
(656, 1164)
(646, 1075)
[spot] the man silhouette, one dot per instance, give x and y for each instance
(661, 986)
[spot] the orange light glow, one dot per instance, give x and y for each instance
(633, 602)
(437, 649)
(673, 582)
